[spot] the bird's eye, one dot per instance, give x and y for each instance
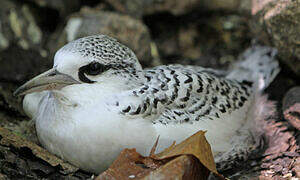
(95, 68)
(92, 69)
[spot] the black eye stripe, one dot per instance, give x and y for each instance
(93, 69)
(83, 78)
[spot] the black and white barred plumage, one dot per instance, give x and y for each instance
(180, 94)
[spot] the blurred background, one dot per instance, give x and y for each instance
(210, 33)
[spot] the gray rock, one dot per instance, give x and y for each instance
(213, 41)
(278, 23)
(18, 26)
(138, 8)
(229, 33)
(291, 106)
(64, 7)
(129, 31)
(291, 97)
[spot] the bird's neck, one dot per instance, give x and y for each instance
(84, 94)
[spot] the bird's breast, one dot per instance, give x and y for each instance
(90, 136)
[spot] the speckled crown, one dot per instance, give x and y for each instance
(101, 47)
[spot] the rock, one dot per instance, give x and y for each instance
(243, 6)
(212, 41)
(227, 33)
(127, 30)
(279, 22)
(21, 58)
(64, 7)
(138, 8)
(291, 107)
(18, 26)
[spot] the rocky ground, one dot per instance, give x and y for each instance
(210, 33)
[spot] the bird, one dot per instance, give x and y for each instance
(97, 100)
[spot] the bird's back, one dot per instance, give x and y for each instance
(182, 100)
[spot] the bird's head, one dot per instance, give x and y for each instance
(93, 60)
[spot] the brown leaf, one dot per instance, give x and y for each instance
(191, 159)
(125, 166)
(196, 145)
(182, 167)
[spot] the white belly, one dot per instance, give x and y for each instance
(91, 138)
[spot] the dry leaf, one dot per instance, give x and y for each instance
(196, 145)
(182, 167)
(126, 166)
(191, 159)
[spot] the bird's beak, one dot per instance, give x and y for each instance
(49, 80)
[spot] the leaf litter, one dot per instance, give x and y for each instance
(191, 159)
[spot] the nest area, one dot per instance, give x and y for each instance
(210, 34)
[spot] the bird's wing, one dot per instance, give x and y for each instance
(198, 69)
(178, 94)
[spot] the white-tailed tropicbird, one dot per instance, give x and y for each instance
(97, 100)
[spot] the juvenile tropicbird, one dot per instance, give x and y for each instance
(97, 100)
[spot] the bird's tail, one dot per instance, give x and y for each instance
(257, 65)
